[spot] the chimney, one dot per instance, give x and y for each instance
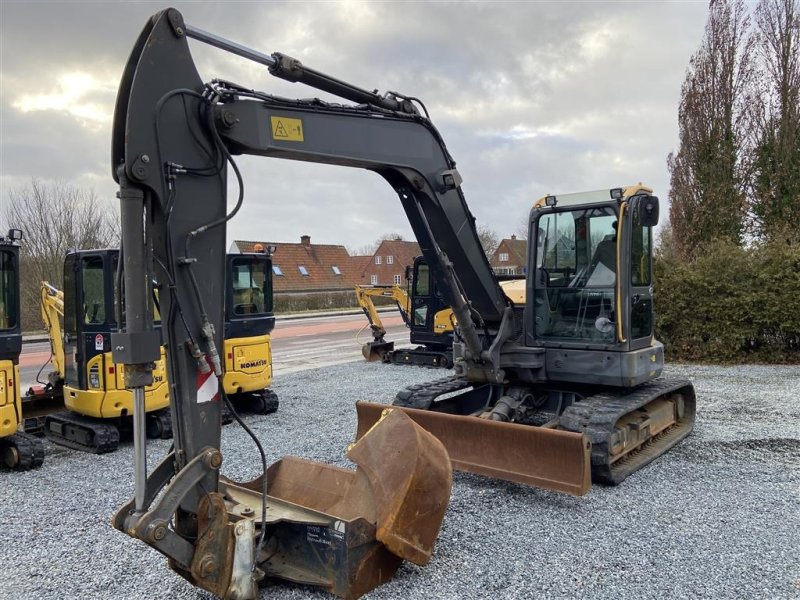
(513, 237)
(305, 240)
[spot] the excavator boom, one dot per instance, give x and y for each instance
(346, 531)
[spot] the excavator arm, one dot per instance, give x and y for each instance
(52, 307)
(378, 347)
(173, 137)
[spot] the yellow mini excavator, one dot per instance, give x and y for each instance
(92, 387)
(551, 391)
(84, 374)
(18, 450)
(424, 312)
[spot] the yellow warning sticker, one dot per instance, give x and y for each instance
(287, 130)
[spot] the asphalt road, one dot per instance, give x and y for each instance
(297, 344)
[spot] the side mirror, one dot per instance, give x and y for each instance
(408, 272)
(648, 211)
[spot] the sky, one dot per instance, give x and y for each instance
(531, 98)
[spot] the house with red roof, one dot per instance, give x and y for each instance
(307, 267)
(388, 263)
(510, 257)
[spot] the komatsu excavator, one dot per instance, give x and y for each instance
(580, 348)
(84, 374)
(18, 450)
(91, 386)
(424, 312)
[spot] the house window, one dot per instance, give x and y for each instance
(373, 279)
(390, 260)
(377, 259)
(336, 270)
(277, 270)
(397, 279)
(303, 270)
(504, 257)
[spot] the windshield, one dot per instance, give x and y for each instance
(252, 286)
(576, 274)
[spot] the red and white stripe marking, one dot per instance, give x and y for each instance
(207, 387)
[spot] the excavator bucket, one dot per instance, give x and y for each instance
(377, 350)
(348, 531)
(536, 456)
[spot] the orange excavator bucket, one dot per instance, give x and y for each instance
(536, 456)
(348, 531)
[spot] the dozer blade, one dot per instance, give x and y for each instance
(536, 456)
(375, 351)
(348, 531)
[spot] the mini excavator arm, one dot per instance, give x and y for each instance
(52, 307)
(378, 347)
(172, 139)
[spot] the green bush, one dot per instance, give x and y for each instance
(732, 304)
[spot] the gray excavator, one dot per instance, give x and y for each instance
(548, 393)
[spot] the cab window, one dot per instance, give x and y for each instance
(94, 299)
(252, 287)
(8, 291)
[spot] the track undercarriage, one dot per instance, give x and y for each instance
(517, 433)
(99, 436)
(21, 452)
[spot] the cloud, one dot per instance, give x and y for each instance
(531, 97)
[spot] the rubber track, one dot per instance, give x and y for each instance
(423, 395)
(104, 436)
(420, 357)
(596, 416)
(29, 448)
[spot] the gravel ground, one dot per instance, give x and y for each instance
(717, 518)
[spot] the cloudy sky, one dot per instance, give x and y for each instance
(531, 97)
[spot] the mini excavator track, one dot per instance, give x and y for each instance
(627, 429)
(81, 433)
(21, 451)
(631, 428)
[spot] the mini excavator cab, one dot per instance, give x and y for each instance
(249, 320)
(592, 294)
(431, 320)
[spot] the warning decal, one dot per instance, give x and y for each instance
(207, 387)
(286, 129)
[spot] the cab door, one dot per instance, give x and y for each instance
(640, 278)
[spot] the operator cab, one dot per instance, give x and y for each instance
(248, 303)
(426, 302)
(10, 332)
(89, 314)
(591, 286)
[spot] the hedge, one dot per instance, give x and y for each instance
(732, 304)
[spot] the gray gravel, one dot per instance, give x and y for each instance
(718, 518)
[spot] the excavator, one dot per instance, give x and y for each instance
(84, 374)
(18, 450)
(551, 392)
(91, 386)
(424, 312)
